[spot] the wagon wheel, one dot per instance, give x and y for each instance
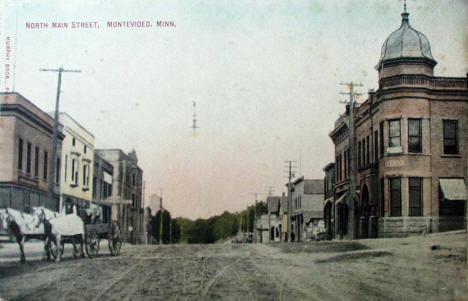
(114, 239)
(53, 249)
(92, 244)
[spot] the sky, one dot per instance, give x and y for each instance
(265, 76)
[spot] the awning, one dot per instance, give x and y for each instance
(341, 199)
(453, 189)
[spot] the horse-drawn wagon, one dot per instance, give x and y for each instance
(84, 231)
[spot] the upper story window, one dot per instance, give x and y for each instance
(46, 159)
(414, 136)
(394, 133)
(376, 146)
(28, 157)
(73, 142)
(84, 149)
(133, 200)
(57, 171)
(20, 153)
(381, 144)
(133, 180)
(36, 162)
(450, 137)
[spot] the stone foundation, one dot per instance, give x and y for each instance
(412, 225)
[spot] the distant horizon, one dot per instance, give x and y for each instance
(265, 77)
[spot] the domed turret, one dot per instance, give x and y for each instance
(406, 45)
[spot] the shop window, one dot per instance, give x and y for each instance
(415, 197)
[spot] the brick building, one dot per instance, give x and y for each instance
(411, 144)
(25, 148)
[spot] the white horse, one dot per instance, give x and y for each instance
(20, 225)
(57, 227)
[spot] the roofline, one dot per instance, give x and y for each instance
(82, 127)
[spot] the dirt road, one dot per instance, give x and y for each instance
(384, 269)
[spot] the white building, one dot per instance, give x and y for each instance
(77, 163)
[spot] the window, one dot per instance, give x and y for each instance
(66, 168)
(349, 157)
(395, 197)
(376, 146)
(415, 196)
(134, 180)
(359, 154)
(394, 133)
(45, 165)
(133, 200)
(414, 136)
(73, 142)
(73, 170)
(367, 150)
(381, 138)
(84, 175)
(20, 153)
(382, 197)
(337, 169)
(450, 137)
(57, 171)
(28, 157)
(345, 165)
(84, 149)
(36, 162)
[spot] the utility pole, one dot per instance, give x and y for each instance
(53, 159)
(352, 175)
(161, 216)
(290, 176)
(255, 217)
(270, 188)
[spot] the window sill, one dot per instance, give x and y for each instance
(85, 188)
(73, 185)
(451, 156)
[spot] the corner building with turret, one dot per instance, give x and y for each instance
(411, 146)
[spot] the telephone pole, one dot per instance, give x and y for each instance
(161, 216)
(270, 189)
(53, 159)
(352, 175)
(290, 176)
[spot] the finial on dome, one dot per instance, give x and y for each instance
(405, 14)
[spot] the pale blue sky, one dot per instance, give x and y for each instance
(265, 76)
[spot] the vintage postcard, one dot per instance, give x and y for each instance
(223, 150)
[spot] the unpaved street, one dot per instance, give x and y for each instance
(385, 269)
